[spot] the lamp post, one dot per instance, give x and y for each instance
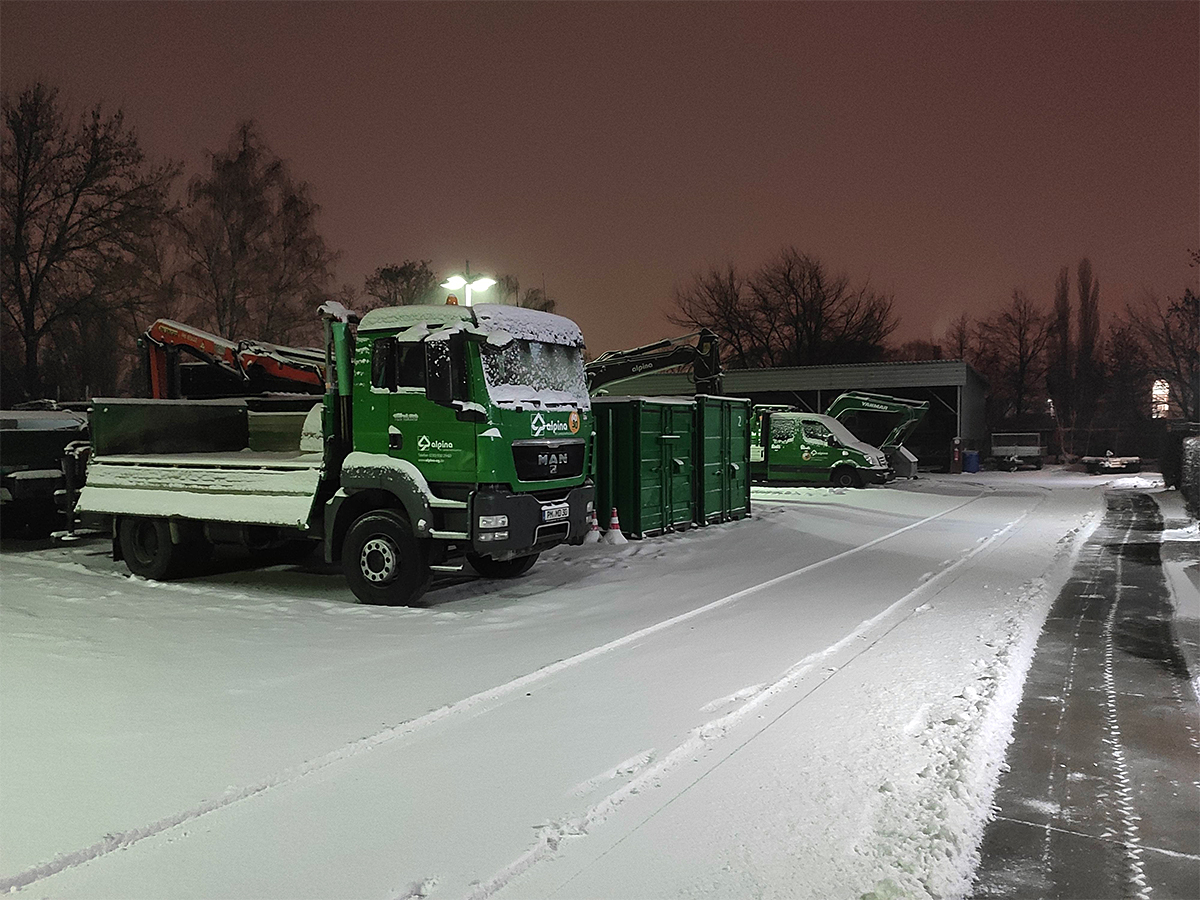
(455, 282)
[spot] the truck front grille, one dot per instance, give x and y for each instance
(548, 460)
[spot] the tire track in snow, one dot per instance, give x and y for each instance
(125, 839)
(552, 835)
(1135, 874)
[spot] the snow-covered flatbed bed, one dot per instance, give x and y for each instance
(250, 487)
(811, 702)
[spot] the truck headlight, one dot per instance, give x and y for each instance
(493, 522)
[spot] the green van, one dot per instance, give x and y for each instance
(788, 447)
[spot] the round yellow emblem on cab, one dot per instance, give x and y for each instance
(573, 421)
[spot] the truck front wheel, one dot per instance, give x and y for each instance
(507, 568)
(384, 562)
(147, 548)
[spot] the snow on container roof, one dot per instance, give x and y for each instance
(529, 324)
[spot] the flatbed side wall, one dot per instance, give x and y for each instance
(168, 426)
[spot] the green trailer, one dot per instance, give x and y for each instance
(645, 462)
(722, 467)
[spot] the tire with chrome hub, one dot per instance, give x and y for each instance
(384, 562)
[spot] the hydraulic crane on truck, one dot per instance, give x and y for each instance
(855, 408)
(704, 356)
(232, 368)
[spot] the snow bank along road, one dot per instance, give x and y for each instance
(813, 702)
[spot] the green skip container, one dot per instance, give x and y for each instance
(722, 454)
(645, 462)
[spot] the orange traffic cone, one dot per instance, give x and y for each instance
(593, 535)
(613, 535)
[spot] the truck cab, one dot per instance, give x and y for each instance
(797, 447)
(478, 420)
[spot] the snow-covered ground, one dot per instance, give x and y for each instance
(812, 702)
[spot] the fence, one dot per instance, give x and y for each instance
(1189, 482)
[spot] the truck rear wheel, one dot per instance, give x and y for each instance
(506, 568)
(384, 562)
(846, 476)
(147, 548)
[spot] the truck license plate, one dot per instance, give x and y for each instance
(555, 513)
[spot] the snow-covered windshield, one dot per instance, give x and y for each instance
(535, 373)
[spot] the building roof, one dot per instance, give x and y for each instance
(847, 376)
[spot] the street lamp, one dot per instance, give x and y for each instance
(455, 282)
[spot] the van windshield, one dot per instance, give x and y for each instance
(535, 373)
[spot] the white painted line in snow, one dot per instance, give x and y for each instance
(125, 839)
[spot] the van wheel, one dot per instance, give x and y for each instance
(147, 548)
(507, 568)
(384, 562)
(846, 476)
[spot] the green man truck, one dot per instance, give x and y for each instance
(790, 447)
(445, 434)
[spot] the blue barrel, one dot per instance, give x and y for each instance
(970, 460)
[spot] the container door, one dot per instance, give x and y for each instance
(678, 444)
(652, 456)
(739, 460)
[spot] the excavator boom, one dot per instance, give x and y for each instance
(904, 416)
(704, 356)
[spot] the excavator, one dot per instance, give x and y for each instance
(871, 415)
(704, 356)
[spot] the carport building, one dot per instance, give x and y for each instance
(955, 391)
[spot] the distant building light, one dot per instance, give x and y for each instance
(1160, 400)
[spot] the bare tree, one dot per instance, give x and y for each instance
(790, 313)
(1170, 332)
(254, 259)
(79, 210)
(508, 290)
(410, 283)
(917, 351)
(719, 299)
(1060, 377)
(1013, 353)
(958, 342)
(1089, 373)
(1128, 382)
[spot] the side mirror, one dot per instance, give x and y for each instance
(834, 442)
